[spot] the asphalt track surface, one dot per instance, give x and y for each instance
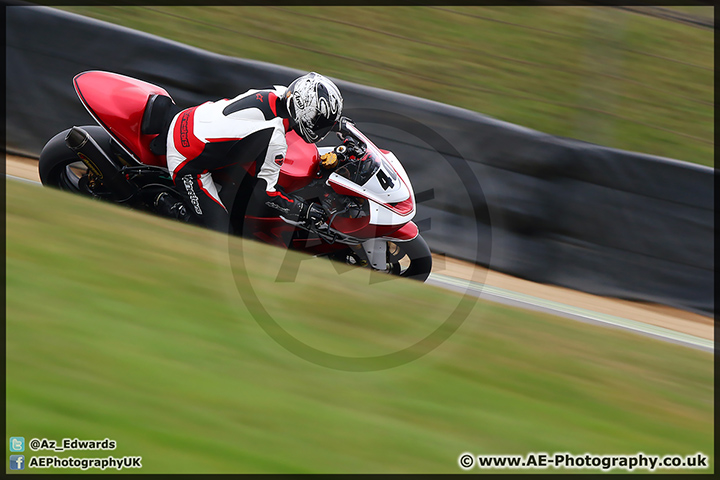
(524, 300)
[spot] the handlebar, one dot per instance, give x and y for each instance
(354, 144)
(341, 125)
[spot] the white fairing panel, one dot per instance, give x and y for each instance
(380, 211)
(396, 190)
(386, 184)
(376, 250)
(382, 215)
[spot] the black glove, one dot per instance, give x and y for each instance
(313, 213)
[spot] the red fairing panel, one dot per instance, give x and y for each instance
(270, 230)
(350, 226)
(300, 165)
(118, 102)
(362, 229)
(402, 208)
(406, 233)
(341, 190)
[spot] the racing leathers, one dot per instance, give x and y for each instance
(229, 132)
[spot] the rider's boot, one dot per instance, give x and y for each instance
(167, 206)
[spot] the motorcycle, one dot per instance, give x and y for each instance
(367, 197)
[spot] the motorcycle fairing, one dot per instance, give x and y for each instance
(117, 103)
(300, 165)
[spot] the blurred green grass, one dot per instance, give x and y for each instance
(131, 327)
(601, 75)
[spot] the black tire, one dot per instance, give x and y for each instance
(61, 168)
(416, 252)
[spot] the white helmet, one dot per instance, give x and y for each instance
(315, 105)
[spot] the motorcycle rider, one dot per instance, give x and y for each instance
(249, 127)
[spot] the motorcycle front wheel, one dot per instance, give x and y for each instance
(411, 259)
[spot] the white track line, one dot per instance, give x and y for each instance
(535, 303)
(21, 179)
(528, 301)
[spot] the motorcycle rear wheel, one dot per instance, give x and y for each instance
(70, 176)
(61, 168)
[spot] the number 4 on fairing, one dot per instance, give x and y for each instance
(385, 181)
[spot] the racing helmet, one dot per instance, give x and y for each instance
(315, 104)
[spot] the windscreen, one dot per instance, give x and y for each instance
(373, 172)
(359, 171)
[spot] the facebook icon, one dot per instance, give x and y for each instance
(17, 462)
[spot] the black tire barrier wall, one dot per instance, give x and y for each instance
(565, 212)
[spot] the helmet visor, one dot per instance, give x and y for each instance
(322, 128)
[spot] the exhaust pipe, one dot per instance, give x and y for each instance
(87, 150)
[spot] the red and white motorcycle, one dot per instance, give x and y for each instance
(367, 196)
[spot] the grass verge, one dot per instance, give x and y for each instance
(131, 327)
